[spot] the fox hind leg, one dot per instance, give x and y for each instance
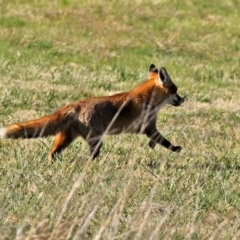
(95, 144)
(62, 140)
(95, 149)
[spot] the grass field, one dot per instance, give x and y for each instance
(56, 52)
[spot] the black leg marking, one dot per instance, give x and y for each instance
(95, 144)
(156, 137)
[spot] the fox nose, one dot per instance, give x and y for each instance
(181, 99)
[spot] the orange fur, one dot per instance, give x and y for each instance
(128, 112)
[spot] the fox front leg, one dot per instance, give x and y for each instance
(151, 144)
(156, 137)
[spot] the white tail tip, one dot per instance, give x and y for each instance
(3, 132)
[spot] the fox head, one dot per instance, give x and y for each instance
(166, 82)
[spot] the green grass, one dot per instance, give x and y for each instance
(56, 52)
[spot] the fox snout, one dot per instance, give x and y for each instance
(176, 100)
(180, 99)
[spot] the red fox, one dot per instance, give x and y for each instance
(92, 118)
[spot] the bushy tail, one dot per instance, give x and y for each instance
(42, 127)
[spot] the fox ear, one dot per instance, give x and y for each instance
(152, 69)
(164, 77)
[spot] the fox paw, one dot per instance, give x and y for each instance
(152, 144)
(177, 149)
